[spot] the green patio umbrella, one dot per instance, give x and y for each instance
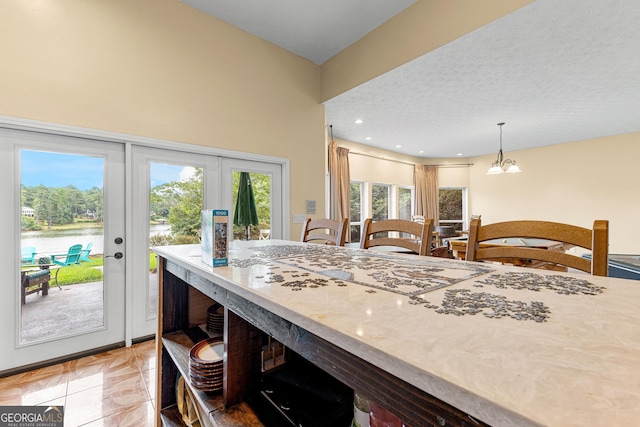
(245, 213)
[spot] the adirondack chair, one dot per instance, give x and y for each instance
(71, 257)
(28, 254)
(84, 254)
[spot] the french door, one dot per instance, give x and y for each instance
(169, 189)
(62, 194)
(114, 201)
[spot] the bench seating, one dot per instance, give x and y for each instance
(35, 281)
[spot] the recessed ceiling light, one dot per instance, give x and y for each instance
(398, 146)
(368, 138)
(421, 151)
(358, 121)
(459, 154)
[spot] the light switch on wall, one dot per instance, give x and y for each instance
(299, 218)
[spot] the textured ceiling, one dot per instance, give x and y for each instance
(553, 71)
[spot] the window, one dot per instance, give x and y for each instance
(356, 211)
(405, 202)
(380, 196)
(452, 206)
(405, 205)
(385, 201)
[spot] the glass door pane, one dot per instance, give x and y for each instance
(62, 235)
(266, 178)
(64, 246)
(261, 187)
(168, 190)
(176, 200)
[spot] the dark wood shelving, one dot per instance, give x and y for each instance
(182, 308)
(178, 345)
(171, 417)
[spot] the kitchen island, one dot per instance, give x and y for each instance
(431, 339)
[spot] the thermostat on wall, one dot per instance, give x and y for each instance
(311, 207)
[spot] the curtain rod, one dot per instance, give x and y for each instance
(455, 165)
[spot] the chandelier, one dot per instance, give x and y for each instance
(499, 165)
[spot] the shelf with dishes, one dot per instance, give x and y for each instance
(192, 361)
(265, 385)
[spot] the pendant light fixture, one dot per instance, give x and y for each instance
(499, 165)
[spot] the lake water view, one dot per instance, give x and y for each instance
(59, 241)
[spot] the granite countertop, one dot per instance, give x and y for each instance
(508, 345)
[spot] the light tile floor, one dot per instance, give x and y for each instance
(115, 388)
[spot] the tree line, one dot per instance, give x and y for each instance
(179, 202)
(61, 205)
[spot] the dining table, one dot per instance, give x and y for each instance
(507, 345)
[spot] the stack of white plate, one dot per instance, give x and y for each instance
(215, 319)
(206, 364)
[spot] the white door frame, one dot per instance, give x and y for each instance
(278, 219)
(8, 227)
(13, 352)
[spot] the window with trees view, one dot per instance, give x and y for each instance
(405, 202)
(452, 206)
(387, 201)
(380, 196)
(261, 184)
(178, 202)
(355, 210)
(405, 205)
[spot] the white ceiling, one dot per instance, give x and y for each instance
(313, 29)
(553, 71)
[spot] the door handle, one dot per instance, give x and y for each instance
(117, 255)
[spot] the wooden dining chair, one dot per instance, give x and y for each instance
(596, 240)
(376, 233)
(326, 231)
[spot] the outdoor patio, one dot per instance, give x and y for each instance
(72, 309)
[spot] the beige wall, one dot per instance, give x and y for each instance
(454, 176)
(576, 183)
(381, 166)
(161, 69)
(376, 165)
(424, 26)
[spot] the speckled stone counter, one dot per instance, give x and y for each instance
(507, 345)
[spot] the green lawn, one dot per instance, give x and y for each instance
(85, 272)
